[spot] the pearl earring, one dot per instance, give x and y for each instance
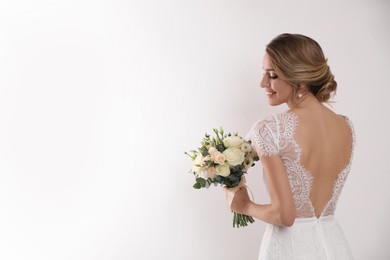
(299, 95)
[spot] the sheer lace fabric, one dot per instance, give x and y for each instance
(275, 136)
(307, 239)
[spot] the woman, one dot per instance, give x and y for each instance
(306, 154)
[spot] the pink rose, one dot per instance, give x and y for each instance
(219, 158)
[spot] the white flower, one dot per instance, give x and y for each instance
(204, 174)
(246, 147)
(198, 161)
(234, 156)
(223, 170)
(212, 150)
(232, 142)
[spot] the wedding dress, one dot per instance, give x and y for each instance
(310, 237)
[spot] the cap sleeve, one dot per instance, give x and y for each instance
(264, 137)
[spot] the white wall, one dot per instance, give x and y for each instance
(99, 100)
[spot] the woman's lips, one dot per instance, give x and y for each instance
(270, 93)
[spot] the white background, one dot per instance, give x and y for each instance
(100, 99)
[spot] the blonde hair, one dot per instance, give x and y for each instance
(299, 59)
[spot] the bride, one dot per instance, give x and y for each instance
(305, 152)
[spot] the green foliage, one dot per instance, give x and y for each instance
(197, 186)
(202, 183)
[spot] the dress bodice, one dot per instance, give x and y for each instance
(274, 135)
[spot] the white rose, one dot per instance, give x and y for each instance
(234, 156)
(246, 147)
(197, 161)
(232, 142)
(223, 170)
(204, 174)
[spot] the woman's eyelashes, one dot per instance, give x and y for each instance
(269, 75)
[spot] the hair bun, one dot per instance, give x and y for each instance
(325, 87)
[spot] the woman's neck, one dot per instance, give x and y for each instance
(307, 101)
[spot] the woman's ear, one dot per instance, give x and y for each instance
(303, 87)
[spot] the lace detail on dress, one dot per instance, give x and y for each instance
(275, 136)
(339, 184)
(263, 137)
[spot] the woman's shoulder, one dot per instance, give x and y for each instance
(273, 123)
(266, 121)
(349, 123)
(276, 119)
(263, 135)
(345, 117)
(273, 118)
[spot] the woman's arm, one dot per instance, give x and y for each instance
(281, 210)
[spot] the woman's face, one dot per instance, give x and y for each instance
(277, 90)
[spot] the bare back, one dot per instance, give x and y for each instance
(326, 144)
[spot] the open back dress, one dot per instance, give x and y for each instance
(311, 236)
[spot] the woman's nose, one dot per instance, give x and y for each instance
(264, 82)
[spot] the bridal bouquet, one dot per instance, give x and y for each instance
(223, 159)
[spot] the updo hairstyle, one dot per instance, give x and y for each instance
(299, 59)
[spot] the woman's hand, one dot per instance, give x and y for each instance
(240, 200)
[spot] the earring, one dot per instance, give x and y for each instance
(299, 95)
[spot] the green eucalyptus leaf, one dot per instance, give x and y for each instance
(220, 147)
(201, 181)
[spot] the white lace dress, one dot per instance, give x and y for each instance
(309, 237)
